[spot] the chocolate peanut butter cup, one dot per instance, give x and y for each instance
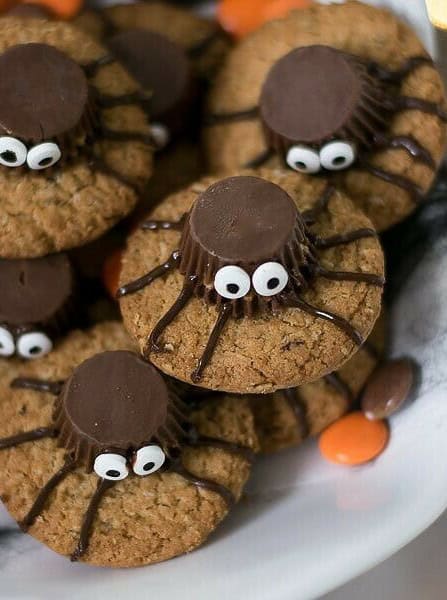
(116, 401)
(47, 106)
(37, 304)
(317, 93)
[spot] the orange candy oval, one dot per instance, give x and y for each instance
(241, 17)
(62, 9)
(111, 272)
(353, 440)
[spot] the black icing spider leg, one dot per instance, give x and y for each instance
(260, 160)
(311, 215)
(27, 436)
(182, 300)
(407, 143)
(370, 278)
(84, 536)
(45, 492)
(295, 401)
(225, 312)
(228, 496)
(342, 238)
(294, 302)
(38, 385)
(145, 280)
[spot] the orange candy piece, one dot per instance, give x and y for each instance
(62, 9)
(353, 440)
(111, 272)
(241, 17)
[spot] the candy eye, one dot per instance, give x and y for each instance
(304, 160)
(148, 460)
(231, 282)
(270, 279)
(12, 152)
(43, 156)
(337, 155)
(34, 345)
(7, 346)
(111, 466)
(160, 135)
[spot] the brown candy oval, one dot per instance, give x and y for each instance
(388, 388)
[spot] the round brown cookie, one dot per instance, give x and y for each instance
(76, 163)
(280, 91)
(286, 418)
(277, 346)
(203, 40)
(177, 505)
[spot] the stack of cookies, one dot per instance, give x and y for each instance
(251, 184)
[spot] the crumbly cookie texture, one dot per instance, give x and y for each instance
(266, 352)
(323, 401)
(67, 206)
(371, 33)
(202, 38)
(141, 520)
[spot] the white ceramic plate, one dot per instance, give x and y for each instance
(305, 526)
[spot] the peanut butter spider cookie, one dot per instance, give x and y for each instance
(101, 461)
(257, 282)
(74, 146)
(343, 89)
(37, 304)
(288, 417)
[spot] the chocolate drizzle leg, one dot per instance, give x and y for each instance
(340, 322)
(93, 67)
(311, 215)
(416, 193)
(182, 300)
(259, 160)
(343, 238)
(409, 144)
(84, 537)
(206, 484)
(410, 65)
(340, 385)
(142, 282)
(224, 314)
(38, 385)
(27, 436)
(298, 406)
(243, 115)
(45, 492)
(370, 278)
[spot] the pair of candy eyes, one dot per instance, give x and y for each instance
(14, 153)
(334, 156)
(115, 466)
(33, 344)
(268, 279)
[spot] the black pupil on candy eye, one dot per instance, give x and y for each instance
(339, 160)
(232, 288)
(9, 156)
(300, 165)
(148, 466)
(272, 283)
(113, 473)
(45, 161)
(35, 350)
